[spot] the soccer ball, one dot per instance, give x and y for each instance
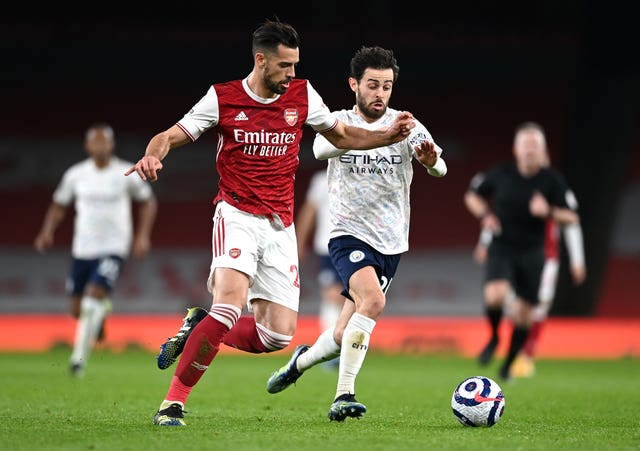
(478, 401)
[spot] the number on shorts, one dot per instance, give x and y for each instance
(109, 269)
(384, 283)
(296, 278)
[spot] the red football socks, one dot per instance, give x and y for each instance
(199, 350)
(244, 336)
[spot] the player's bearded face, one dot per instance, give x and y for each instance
(275, 83)
(279, 70)
(372, 107)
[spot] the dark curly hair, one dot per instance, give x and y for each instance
(373, 58)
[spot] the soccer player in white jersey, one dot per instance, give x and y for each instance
(259, 121)
(102, 235)
(370, 210)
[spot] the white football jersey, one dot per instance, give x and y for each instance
(103, 222)
(318, 195)
(369, 190)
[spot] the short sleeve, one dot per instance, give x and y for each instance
(204, 115)
(482, 183)
(418, 135)
(63, 193)
(319, 116)
(563, 196)
(139, 190)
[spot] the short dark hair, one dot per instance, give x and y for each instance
(272, 33)
(373, 58)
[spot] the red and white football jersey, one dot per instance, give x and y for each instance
(258, 142)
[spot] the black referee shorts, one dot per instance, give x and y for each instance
(521, 267)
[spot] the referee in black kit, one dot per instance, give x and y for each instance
(512, 200)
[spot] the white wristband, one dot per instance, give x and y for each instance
(437, 170)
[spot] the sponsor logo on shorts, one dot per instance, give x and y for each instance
(356, 256)
(234, 253)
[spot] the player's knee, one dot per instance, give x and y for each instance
(496, 294)
(371, 307)
(273, 341)
(95, 291)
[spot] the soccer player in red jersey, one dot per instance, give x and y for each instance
(259, 122)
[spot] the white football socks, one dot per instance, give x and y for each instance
(92, 312)
(325, 348)
(355, 343)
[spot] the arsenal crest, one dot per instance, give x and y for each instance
(291, 116)
(234, 253)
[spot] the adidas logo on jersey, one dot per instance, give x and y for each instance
(241, 116)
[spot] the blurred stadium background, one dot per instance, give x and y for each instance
(470, 72)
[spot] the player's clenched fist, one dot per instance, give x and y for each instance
(147, 168)
(404, 122)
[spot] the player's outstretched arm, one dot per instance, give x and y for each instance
(348, 137)
(323, 149)
(158, 148)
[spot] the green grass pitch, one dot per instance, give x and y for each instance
(567, 405)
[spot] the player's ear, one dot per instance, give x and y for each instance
(353, 84)
(260, 60)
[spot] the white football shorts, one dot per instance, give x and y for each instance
(262, 249)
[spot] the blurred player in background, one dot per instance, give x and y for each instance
(313, 221)
(514, 202)
(524, 364)
(103, 233)
(259, 121)
(369, 207)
